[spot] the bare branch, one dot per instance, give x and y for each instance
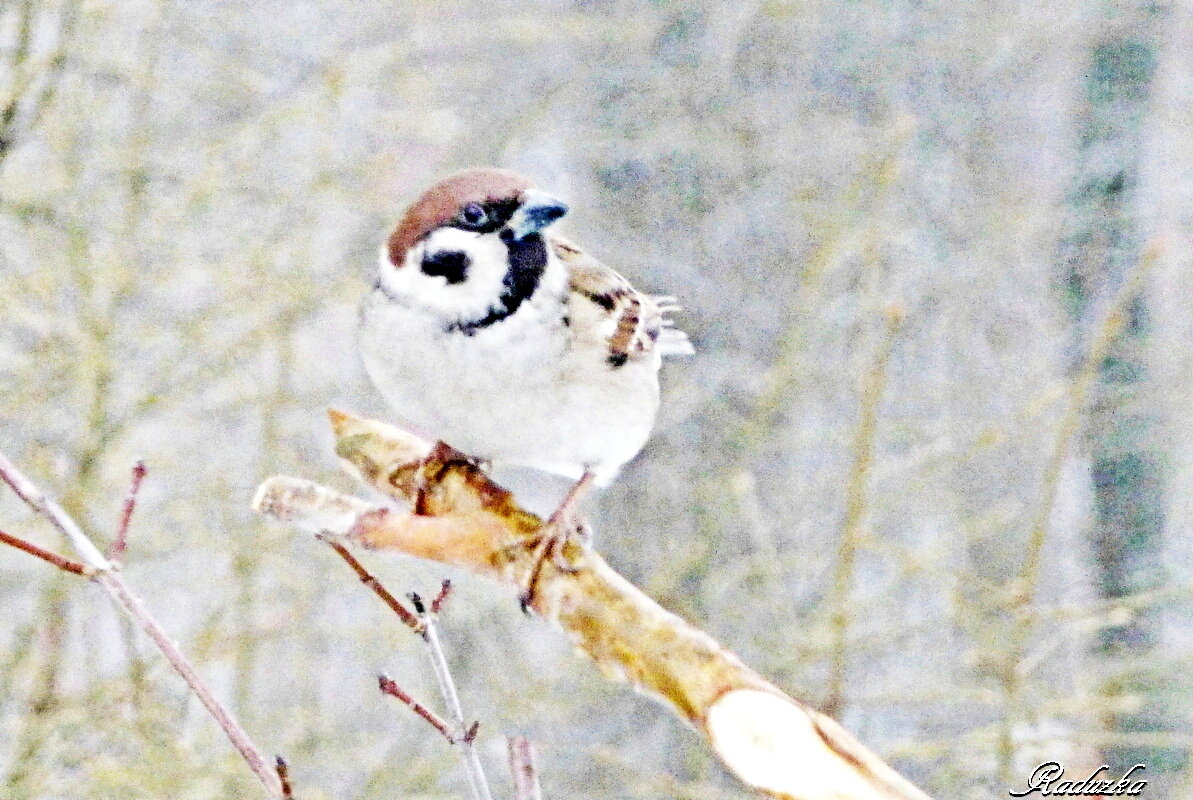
(67, 26)
(23, 91)
(295, 500)
(768, 739)
(855, 509)
(447, 687)
(236, 734)
(389, 687)
(524, 769)
(45, 555)
(1113, 318)
(445, 591)
(408, 619)
(27, 491)
(116, 549)
(103, 573)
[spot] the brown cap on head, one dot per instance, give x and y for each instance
(444, 200)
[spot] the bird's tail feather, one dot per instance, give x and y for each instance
(671, 341)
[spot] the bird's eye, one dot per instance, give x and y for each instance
(474, 216)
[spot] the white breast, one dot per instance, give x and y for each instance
(524, 391)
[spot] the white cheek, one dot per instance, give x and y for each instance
(474, 297)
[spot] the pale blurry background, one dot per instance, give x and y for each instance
(929, 528)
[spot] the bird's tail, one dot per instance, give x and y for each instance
(671, 341)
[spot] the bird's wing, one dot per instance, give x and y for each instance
(632, 324)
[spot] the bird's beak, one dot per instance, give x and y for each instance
(538, 210)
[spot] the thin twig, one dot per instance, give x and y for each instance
(524, 769)
(445, 590)
(21, 79)
(389, 687)
(283, 771)
(56, 66)
(58, 561)
(423, 625)
(113, 583)
(367, 579)
(117, 548)
(447, 687)
(37, 500)
(1105, 333)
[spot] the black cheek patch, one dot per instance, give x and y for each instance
(527, 260)
(449, 264)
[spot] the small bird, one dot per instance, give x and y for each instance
(509, 343)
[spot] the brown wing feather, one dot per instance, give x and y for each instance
(639, 319)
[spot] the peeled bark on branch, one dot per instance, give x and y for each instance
(771, 741)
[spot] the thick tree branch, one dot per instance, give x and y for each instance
(772, 742)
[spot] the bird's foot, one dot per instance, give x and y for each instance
(578, 532)
(556, 536)
(565, 526)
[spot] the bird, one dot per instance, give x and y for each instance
(487, 331)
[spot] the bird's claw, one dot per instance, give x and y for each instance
(563, 526)
(578, 532)
(557, 534)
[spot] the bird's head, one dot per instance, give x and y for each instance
(471, 245)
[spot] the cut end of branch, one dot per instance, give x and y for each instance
(777, 746)
(360, 439)
(310, 507)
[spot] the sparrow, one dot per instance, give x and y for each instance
(488, 332)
